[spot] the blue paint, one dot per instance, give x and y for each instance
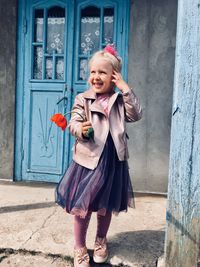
(183, 230)
(43, 151)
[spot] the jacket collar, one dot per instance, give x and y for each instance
(90, 94)
(95, 106)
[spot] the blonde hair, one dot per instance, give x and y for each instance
(115, 61)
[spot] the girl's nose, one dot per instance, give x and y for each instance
(97, 77)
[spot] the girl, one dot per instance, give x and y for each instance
(98, 177)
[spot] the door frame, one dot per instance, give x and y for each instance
(19, 154)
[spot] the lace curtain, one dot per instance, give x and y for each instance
(90, 37)
(55, 45)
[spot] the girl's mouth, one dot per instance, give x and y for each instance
(97, 85)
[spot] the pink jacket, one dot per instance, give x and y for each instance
(122, 108)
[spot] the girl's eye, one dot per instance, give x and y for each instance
(102, 72)
(92, 72)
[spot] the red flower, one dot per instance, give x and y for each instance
(59, 120)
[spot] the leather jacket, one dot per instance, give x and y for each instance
(122, 108)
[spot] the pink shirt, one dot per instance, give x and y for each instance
(103, 99)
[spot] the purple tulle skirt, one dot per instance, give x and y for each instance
(106, 188)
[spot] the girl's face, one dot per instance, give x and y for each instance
(100, 78)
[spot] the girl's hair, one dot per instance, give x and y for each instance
(115, 61)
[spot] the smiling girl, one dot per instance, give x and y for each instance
(98, 178)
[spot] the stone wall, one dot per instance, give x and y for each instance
(151, 70)
(7, 86)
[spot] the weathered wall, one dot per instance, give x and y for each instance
(182, 242)
(151, 70)
(7, 85)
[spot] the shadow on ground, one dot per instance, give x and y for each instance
(25, 207)
(140, 248)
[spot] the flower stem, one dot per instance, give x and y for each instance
(70, 112)
(90, 133)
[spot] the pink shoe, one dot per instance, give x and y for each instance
(100, 250)
(81, 257)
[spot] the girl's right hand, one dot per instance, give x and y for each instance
(119, 82)
(85, 126)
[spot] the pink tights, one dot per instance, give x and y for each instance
(81, 226)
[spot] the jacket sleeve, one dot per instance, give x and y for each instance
(75, 124)
(133, 109)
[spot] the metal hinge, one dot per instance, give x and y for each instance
(122, 26)
(25, 26)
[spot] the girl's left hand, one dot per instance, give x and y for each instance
(119, 82)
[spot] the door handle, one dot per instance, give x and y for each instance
(63, 98)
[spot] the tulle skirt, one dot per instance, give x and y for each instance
(106, 188)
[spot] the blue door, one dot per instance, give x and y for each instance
(55, 41)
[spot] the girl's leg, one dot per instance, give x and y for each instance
(80, 230)
(103, 223)
(100, 247)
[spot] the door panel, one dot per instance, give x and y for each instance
(46, 141)
(45, 84)
(59, 37)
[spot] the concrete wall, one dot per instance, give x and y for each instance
(151, 70)
(7, 85)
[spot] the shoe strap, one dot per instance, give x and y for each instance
(82, 255)
(83, 258)
(100, 244)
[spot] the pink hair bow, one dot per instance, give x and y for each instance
(110, 49)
